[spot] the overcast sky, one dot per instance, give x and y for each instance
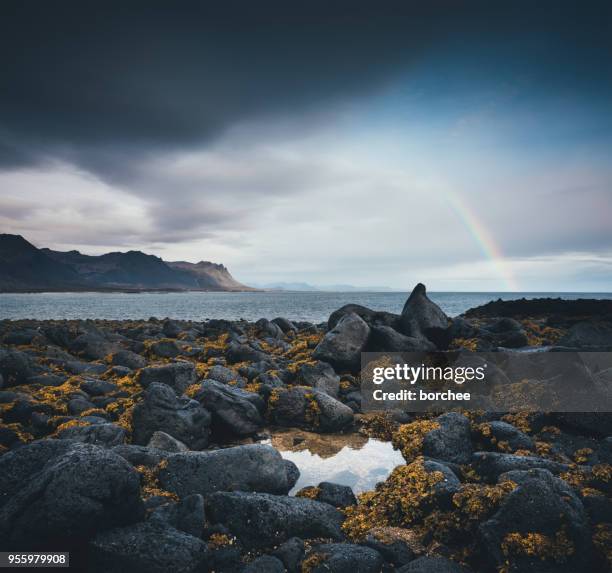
(466, 145)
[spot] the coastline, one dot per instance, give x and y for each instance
(179, 413)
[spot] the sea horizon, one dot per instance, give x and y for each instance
(310, 306)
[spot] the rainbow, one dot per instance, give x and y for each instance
(482, 237)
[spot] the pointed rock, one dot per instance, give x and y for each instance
(420, 315)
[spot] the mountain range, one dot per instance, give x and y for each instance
(24, 267)
(307, 287)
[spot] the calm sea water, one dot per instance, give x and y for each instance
(310, 306)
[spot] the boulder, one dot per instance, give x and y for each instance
(20, 412)
(78, 367)
(265, 564)
(504, 432)
(60, 495)
(166, 443)
(263, 520)
(448, 486)
(237, 352)
(421, 315)
(22, 336)
(541, 505)
(253, 467)
(161, 410)
(128, 359)
(309, 409)
(504, 324)
(222, 374)
(185, 515)
(48, 379)
(16, 367)
(171, 329)
(165, 349)
(320, 376)
(335, 494)
(490, 465)
(92, 345)
(505, 332)
(386, 339)
(598, 508)
(19, 465)
(293, 473)
(452, 441)
(589, 334)
(234, 411)
(461, 328)
(269, 329)
(77, 406)
(147, 547)
(342, 346)
(291, 553)
(140, 455)
(344, 558)
(369, 316)
(427, 564)
(178, 375)
(592, 423)
(391, 543)
(284, 324)
(107, 435)
(97, 387)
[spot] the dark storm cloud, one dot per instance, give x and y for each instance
(96, 82)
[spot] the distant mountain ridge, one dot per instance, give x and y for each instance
(307, 287)
(23, 267)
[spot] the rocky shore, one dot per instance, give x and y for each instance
(135, 445)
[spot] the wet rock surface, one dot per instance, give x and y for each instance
(133, 443)
(344, 558)
(146, 547)
(263, 520)
(342, 346)
(182, 418)
(234, 411)
(66, 496)
(243, 468)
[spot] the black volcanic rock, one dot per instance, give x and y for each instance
(386, 339)
(345, 558)
(251, 467)
(589, 334)
(307, 408)
(182, 418)
(261, 519)
(148, 547)
(371, 317)
(422, 316)
(17, 367)
(427, 564)
(59, 495)
(550, 307)
(234, 411)
(178, 375)
(541, 504)
(342, 345)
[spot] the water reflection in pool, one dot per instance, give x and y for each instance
(347, 459)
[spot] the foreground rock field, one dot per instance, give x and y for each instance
(135, 446)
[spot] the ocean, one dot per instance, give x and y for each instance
(308, 306)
